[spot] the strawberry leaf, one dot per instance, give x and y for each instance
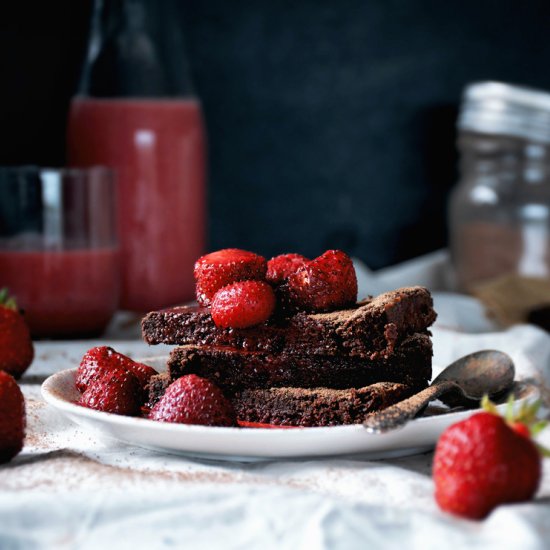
(6, 300)
(509, 415)
(543, 450)
(488, 406)
(537, 427)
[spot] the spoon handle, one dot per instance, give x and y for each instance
(399, 414)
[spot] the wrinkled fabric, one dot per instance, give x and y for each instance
(72, 489)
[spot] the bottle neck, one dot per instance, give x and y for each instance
(135, 49)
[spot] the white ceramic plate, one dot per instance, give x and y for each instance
(417, 436)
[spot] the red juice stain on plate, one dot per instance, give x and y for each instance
(244, 424)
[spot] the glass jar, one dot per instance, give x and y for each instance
(500, 210)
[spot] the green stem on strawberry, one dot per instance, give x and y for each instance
(538, 427)
(525, 421)
(6, 300)
(543, 450)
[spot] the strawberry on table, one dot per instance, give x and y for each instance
(487, 460)
(115, 391)
(281, 267)
(194, 400)
(224, 267)
(242, 305)
(326, 283)
(16, 349)
(12, 417)
(103, 358)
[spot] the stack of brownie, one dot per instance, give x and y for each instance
(312, 369)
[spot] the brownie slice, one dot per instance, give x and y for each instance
(303, 407)
(156, 387)
(318, 406)
(370, 329)
(234, 370)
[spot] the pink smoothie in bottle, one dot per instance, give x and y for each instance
(64, 293)
(157, 149)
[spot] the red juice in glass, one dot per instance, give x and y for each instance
(59, 254)
(157, 148)
(64, 293)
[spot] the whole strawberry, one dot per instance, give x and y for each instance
(115, 391)
(16, 349)
(242, 305)
(326, 283)
(487, 460)
(12, 417)
(194, 400)
(281, 267)
(224, 267)
(97, 360)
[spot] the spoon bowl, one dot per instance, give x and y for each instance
(488, 372)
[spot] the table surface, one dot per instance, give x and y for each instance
(77, 490)
(69, 489)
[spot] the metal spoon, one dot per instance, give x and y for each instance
(483, 372)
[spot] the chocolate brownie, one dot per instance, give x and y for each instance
(234, 370)
(156, 387)
(370, 329)
(318, 406)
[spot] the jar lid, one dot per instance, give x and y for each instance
(497, 108)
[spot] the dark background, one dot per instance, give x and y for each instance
(331, 124)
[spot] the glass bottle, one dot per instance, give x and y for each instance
(136, 112)
(500, 210)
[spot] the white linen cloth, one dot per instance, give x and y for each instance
(67, 489)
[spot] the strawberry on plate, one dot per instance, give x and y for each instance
(224, 267)
(12, 417)
(103, 358)
(243, 304)
(487, 460)
(326, 283)
(16, 349)
(194, 400)
(115, 390)
(281, 267)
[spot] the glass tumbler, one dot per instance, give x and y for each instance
(58, 249)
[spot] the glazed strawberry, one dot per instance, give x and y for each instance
(99, 359)
(487, 460)
(243, 304)
(224, 267)
(12, 417)
(283, 266)
(94, 362)
(115, 391)
(141, 371)
(323, 284)
(194, 400)
(16, 349)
